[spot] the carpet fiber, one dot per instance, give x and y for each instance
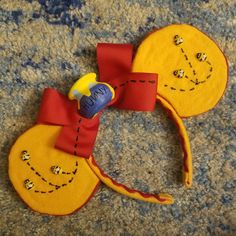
(51, 43)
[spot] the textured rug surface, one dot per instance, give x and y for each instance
(52, 43)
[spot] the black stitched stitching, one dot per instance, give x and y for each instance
(172, 88)
(133, 81)
(142, 81)
(151, 81)
(208, 76)
(44, 179)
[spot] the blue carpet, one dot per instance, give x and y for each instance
(51, 43)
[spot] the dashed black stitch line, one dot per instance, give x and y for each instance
(44, 180)
(78, 129)
(208, 76)
(194, 73)
(37, 173)
(142, 81)
(51, 184)
(77, 138)
(71, 180)
(75, 153)
(76, 144)
(66, 173)
(121, 85)
(133, 81)
(152, 81)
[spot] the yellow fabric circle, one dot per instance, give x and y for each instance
(55, 194)
(204, 79)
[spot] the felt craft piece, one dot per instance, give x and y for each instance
(192, 70)
(111, 57)
(78, 134)
(48, 180)
(42, 163)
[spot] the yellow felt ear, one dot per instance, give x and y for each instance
(51, 192)
(192, 69)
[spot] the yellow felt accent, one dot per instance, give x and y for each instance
(187, 176)
(206, 80)
(118, 188)
(72, 194)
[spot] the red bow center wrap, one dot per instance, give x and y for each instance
(133, 91)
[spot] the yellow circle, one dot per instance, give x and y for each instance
(55, 194)
(192, 70)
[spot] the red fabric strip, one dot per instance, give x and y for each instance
(133, 91)
(78, 134)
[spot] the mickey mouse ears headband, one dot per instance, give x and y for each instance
(42, 163)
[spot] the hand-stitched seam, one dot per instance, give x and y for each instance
(196, 82)
(134, 81)
(48, 182)
(77, 137)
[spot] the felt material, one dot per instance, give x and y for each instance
(133, 91)
(122, 189)
(187, 155)
(52, 194)
(148, 197)
(176, 47)
(78, 134)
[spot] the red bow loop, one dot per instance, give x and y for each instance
(133, 91)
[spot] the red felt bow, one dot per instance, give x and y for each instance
(133, 91)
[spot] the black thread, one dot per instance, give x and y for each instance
(208, 76)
